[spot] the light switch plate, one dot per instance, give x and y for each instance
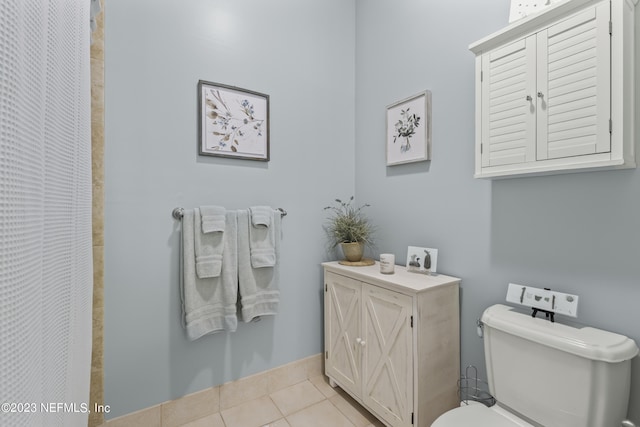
(543, 299)
(522, 8)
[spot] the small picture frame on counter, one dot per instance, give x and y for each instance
(422, 260)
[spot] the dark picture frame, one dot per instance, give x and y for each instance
(232, 122)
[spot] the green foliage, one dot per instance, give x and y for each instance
(348, 224)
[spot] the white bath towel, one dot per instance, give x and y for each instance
(209, 245)
(262, 236)
(209, 305)
(213, 218)
(258, 287)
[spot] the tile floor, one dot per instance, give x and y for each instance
(310, 403)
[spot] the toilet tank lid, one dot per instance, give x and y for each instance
(586, 342)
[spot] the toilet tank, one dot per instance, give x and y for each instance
(557, 375)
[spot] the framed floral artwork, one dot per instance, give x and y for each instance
(409, 130)
(233, 122)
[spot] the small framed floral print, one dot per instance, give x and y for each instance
(233, 122)
(409, 130)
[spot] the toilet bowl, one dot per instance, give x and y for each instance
(550, 374)
(479, 415)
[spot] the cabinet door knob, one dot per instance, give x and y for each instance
(529, 98)
(540, 95)
(362, 343)
(359, 341)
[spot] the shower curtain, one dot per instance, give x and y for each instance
(45, 213)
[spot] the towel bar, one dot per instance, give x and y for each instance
(177, 213)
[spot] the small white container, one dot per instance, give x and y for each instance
(387, 263)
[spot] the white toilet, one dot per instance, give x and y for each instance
(549, 374)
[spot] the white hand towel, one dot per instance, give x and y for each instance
(261, 215)
(262, 236)
(209, 305)
(209, 248)
(213, 218)
(258, 287)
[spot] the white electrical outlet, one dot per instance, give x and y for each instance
(522, 8)
(543, 299)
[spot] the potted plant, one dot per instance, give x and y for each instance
(348, 227)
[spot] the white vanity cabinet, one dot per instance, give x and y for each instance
(555, 91)
(393, 341)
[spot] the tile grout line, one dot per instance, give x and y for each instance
(279, 410)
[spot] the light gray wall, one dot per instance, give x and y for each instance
(578, 233)
(301, 53)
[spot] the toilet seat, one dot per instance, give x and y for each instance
(478, 416)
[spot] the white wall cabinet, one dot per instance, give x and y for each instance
(555, 91)
(392, 341)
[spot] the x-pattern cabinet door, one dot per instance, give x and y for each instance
(342, 329)
(387, 360)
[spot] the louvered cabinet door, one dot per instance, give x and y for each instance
(387, 363)
(573, 93)
(342, 329)
(508, 104)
